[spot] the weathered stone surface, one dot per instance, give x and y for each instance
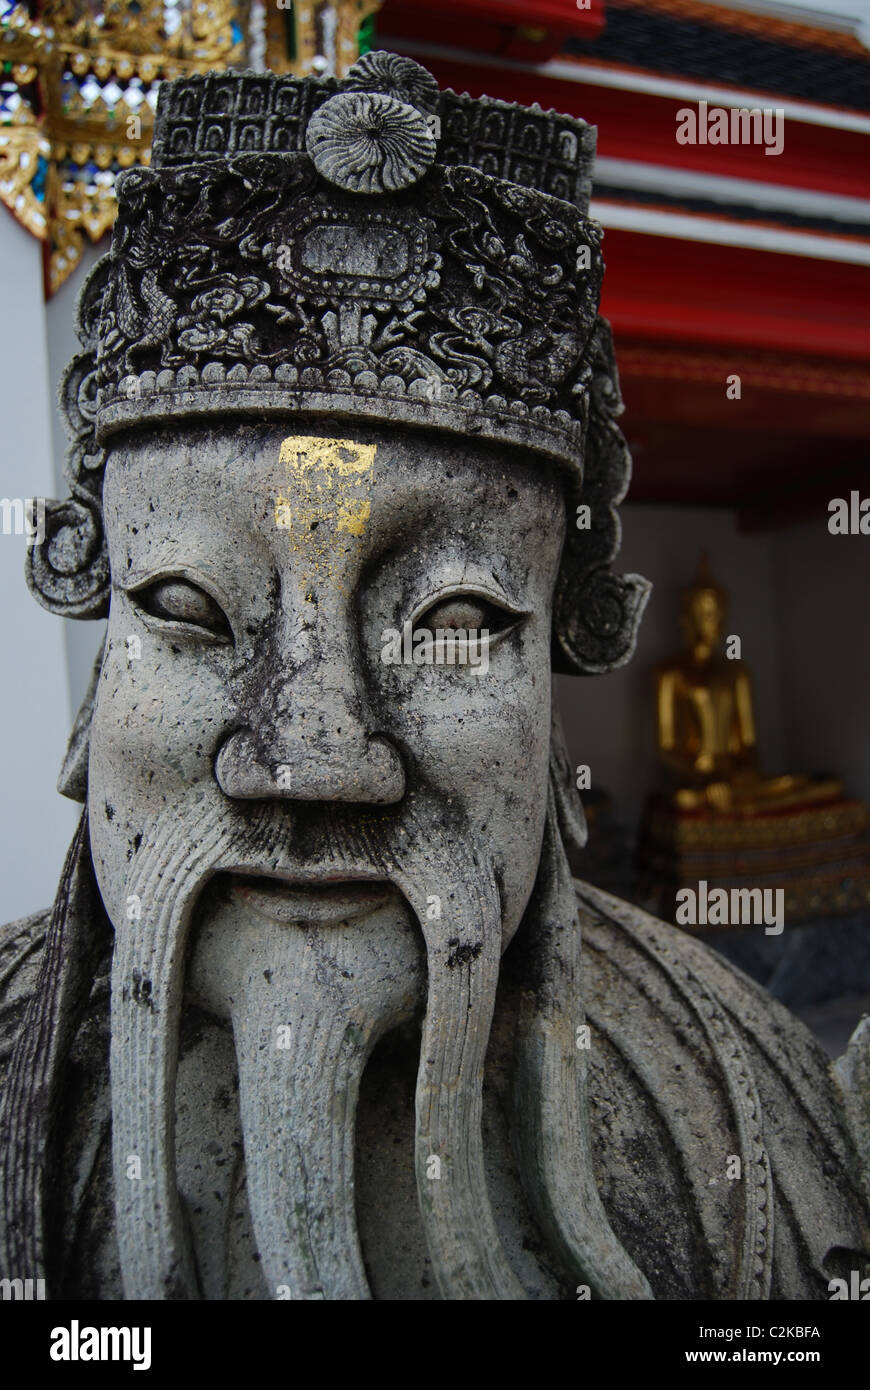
(319, 1011)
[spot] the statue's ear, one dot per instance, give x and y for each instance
(596, 623)
(596, 613)
(68, 568)
(73, 779)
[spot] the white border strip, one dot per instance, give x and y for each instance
(664, 178)
(652, 222)
(628, 80)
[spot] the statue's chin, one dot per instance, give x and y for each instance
(306, 1001)
(243, 916)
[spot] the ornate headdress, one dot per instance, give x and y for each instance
(372, 248)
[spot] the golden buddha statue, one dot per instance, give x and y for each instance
(717, 818)
(706, 727)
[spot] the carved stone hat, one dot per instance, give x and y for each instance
(371, 248)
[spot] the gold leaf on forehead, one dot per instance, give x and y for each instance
(303, 453)
(332, 478)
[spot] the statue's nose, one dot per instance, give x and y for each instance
(311, 755)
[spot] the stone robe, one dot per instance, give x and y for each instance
(721, 1147)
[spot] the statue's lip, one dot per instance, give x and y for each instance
(321, 900)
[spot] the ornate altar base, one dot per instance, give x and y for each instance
(818, 854)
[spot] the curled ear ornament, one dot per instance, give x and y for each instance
(68, 570)
(597, 614)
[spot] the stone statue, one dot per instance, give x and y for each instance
(310, 1016)
(706, 722)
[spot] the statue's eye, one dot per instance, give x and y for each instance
(179, 601)
(467, 611)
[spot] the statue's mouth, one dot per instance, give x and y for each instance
(323, 900)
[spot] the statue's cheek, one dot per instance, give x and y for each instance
(161, 714)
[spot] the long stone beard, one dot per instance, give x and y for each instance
(298, 1103)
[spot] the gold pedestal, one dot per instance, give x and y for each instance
(817, 853)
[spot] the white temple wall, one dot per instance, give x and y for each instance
(823, 593)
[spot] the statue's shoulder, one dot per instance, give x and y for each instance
(21, 945)
(652, 955)
(716, 1117)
